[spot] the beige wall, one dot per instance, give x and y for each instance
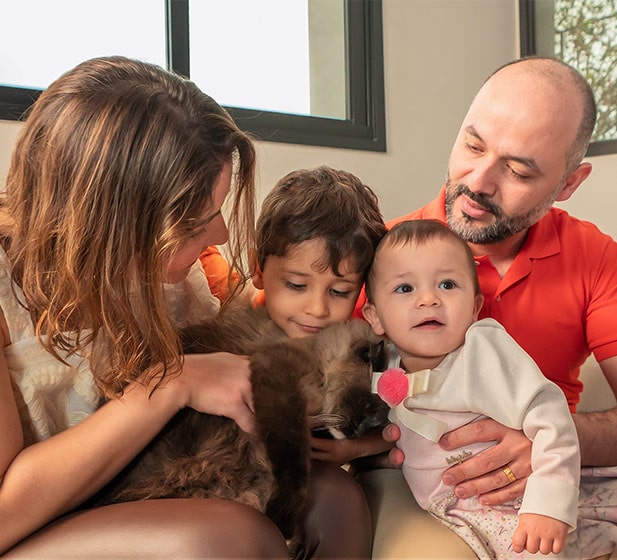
(437, 53)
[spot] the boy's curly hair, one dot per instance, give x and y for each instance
(321, 203)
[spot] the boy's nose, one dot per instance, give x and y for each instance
(316, 305)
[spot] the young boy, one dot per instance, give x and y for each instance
(316, 236)
(423, 294)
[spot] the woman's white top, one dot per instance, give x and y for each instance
(51, 395)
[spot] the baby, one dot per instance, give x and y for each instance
(423, 294)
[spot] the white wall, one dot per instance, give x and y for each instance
(437, 53)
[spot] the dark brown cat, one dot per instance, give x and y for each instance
(321, 381)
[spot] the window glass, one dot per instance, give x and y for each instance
(292, 62)
(241, 64)
(41, 39)
(297, 71)
(582, 33)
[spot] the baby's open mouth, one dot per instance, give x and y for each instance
(430, 323)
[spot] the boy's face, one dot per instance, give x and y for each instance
(424, 300)
(300, 298)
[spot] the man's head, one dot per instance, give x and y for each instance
(519, 149)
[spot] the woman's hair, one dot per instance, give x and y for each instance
(114, 169)
(326, 204)
(420, 232)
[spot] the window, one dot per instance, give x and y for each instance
(582, 33)
(325, 58)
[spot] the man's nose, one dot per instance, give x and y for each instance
(484, 178)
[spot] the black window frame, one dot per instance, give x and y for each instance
(527, 22)
(363, 129)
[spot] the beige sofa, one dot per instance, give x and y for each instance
(403, 530)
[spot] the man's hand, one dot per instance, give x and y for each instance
(496, 475)
(395, 459)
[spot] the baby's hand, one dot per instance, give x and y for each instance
(539, 533)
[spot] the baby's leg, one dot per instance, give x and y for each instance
(173, 528)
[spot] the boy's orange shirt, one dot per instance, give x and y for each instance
(216, 268)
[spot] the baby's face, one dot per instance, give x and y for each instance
(301, 298)
(425, 299)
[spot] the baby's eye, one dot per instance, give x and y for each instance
(404, 289)
(447, 285)
(294, 286)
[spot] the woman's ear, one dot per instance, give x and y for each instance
(370, 314)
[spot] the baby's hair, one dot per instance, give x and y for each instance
(322, 203)
(112, 172)
(421, 232)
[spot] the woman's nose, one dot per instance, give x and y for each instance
(218, 234)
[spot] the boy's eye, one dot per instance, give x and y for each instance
(294, 286)
(447, 285)
(340, 293)
(404, 289)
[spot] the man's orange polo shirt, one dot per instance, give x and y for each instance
(558, 300)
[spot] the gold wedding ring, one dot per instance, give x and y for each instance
(508, 472)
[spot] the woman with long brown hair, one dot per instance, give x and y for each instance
(115, 186)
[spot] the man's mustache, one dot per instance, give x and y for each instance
(479, 199)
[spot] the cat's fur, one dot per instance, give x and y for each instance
(323, 380)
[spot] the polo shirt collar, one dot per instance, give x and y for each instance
(542, 240)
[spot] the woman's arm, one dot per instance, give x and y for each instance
(11, 434)
(51, 477)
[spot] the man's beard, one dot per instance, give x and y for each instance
(502, 228)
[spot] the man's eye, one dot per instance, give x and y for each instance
(473, 148)
(518, 175)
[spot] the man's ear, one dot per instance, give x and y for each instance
(370, 314)
(574, 180)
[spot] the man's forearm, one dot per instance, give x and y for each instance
(596, 434)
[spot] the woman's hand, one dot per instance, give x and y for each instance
(496, 475)
(218, 384)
